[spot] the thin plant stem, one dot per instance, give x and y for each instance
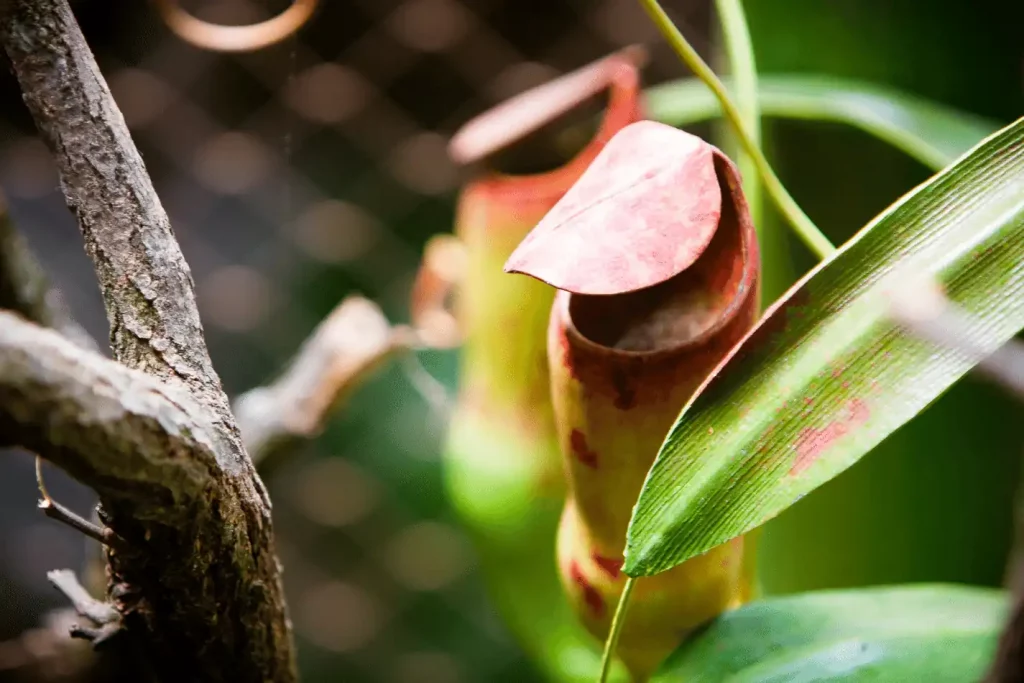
(742, 63)
(612, 642)
(743, 68)
(804, 226)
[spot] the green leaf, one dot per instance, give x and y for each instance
(932, 133)
(898, 634)
(826, 375)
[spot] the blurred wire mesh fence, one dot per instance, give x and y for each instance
(293, 176)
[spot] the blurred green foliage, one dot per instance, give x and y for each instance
(882, 635)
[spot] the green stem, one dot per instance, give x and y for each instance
(612, 642)
(743, 67)
(803, 225)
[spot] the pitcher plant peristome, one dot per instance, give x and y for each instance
(503, 466)
(657, 260)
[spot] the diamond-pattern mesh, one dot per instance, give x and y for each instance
(293, 176)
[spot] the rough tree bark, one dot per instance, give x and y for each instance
(193, 573)
(353, 341)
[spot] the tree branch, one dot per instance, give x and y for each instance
(198, 576)
(45, 653)
(197, 572)
(347, 346)
(146, 284)
(98, 612)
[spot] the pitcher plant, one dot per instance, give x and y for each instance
(656, 259)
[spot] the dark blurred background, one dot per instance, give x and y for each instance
(317, 168)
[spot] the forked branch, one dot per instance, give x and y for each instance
(170, 492)
(196, 575)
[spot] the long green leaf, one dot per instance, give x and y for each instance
(826, 375)
(909, 633)
(932, 133)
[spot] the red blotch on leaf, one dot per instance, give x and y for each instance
(591, 597)
(812, 442)
(611, 566)
(582, 451)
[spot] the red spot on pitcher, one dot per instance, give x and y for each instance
(590, 595)
(609, 565)
(582, 451)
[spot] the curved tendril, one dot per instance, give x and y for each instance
(220, 38)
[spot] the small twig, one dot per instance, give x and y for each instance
(105, 616)
(347, 347)
(97, 611)
(58, 512)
